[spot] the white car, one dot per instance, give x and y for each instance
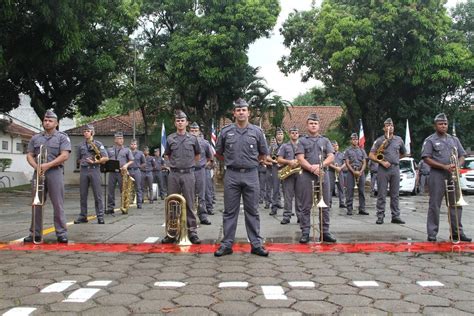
(466, 174)
(408, 175)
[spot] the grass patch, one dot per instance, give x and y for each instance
(24, 187)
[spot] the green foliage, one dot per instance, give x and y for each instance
(5, 163)
(316, 96)
(398, 59)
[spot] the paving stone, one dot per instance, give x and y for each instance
(315, 308)
(378, 293)
(151, 306)
(107, 310)
(77, 278)
(201, 272)
(234, 308)
(6, 304)
(234, 294)
(178, 276)
(86, 271)
(392, 279)
(307, 295)
(266, 281)
(41, 298)
(141, 272)
(159, 294)
(261, 301)
(427, 300)
(295, 276)
(199, 289)
(262, 273)
(233, 277)
(138, 280)
(17, 291)
(291, 269)
(191, 311)
(453, 294)
(329, 280)
(72, 307)
(234, 268)
(195, 300)
(276, 311)
(34, 282)
(467, 306)
(117, 299)
(104, 275)
(349, 300)
(354, 311)
(147, 265)
(356, 276)
(200, 280)
(443, 311)
(440, 271)
(338, 289)
(327, 271)
(128, 288)
(397, 306)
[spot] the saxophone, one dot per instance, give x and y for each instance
(379, 154)
(287, 171)
(97, 154)
(128, 192)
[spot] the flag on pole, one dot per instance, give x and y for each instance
(361, 135)
(163, 138)
(213, 135)
(407, 139)
(454, 127)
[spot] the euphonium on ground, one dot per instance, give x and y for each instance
(287, 171)
(38, 197)
(176, 226)
(128, 191)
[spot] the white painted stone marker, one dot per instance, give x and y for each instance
(81, 295)
(429, 283)
(99, 283)
(274, 292)
(58, 287)
(233, 284)
(301, 284)
(151, 240)
(365, 283)
(20, 311)
(169, 284)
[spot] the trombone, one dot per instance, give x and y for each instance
(38, 199)
(318, 202)
(454, 197)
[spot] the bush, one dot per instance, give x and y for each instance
(5, 163)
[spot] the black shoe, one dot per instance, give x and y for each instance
(205, 222)
(304, 239)
(259, 251)
(195, 239)
(362, 212)
(108, 212)
(139, 206)
(328, 238)
(100, 221)
(260, 202)
(62, 239)
(30, 239)
(462, 238)
(279, 206)
(397, 220)
(285, 221)
(81, 220)
(273, 212)
(210, 213)
(379, 221)
(431, 238)
(168, 240)
(162, 197)
(349, 213)
(342, 206)
(267, 206)
(223, 251)
(151, 201)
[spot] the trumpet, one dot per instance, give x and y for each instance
(336, 173)
(38, 199)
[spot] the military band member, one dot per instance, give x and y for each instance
(388, 171)
(183, 152)
(269, 176)
(90, 174)
(125, 158)
(147, 174)
(276, 183)
(287, 157)
(134, 170)
(242, 145)
(436, 152)
(262, 179)
(58, 146)
(337, 168)
(423, 176)
(356, 161)
(159, 174)
(373, 168)
(311, 149)
(200, 173)
(210, 185)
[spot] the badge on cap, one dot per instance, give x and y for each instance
(240, 103)
(441, 117)
(180, 115)
(294, 129)
(118, 134)
(354, 135)
(89, 127)
(388, 121)
(313, 117)
(50, 114)
(194, 125)
(279, 130)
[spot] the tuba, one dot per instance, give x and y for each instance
(39, 185)
(379, 154)
(175, 218)
(128, 191)
(287, 171)
(97, 154)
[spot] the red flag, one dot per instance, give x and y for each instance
(361, 136)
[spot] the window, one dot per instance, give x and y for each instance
(4, 145)
(19, 147)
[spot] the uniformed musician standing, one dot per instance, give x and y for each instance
(200, 173)
(436, 152)
(287, 157)
(269, 174)
(90, 174)
(147, 174)
(276, 182)
(311, 148)
(125, 158)
(338, 166)
(159, 174)
(58, 146)
(423, 176)
(242, 145)
(356, 161)
(183, 152)
(388, 172)
(134, 170)
(373, 168)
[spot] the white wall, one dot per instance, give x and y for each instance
(18, 158)
(13, 179)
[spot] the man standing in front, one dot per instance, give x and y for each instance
(147, 174)
(387, 151)
(336, 170)
(159, 174)
(89, 162)
(356, 161)
(423, 176)
(276, 182)
(437, 151)
(314, 151)
(183, 152)
(242, 146)
(58, 148)
(134, 170)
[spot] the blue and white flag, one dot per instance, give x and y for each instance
(163, 138)
(408, 140)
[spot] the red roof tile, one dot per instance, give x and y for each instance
(23, 132)
(108, 126)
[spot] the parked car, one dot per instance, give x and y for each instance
(408, 176)
(466, 174)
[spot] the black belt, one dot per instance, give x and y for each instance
(185, 170)
(90, 167)
(198, 168)
(242, 170)
(133, 168)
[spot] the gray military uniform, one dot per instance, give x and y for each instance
(135, 172)
(391, 175)
(123, 155)
(200, 176)
(339, 160)
(241, 148)
(147, 177)
(276, 182)
(373, 168)
(54, 179)
(288, 151)
(424, 174)
(90, 175)
(181, 151)
(158, 176)
(311, 148)
(439, 149)
(355, 157)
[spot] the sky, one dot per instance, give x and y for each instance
(266, 52)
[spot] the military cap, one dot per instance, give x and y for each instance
(194, 125)
(133, 141)
(240, 103)
(50, 114)
(279, 130)
(334, 142)
(294, 129)
(146, 148)
(118, 134)
(388, 121)
(313, 117)
(354, 135)
(89, 127)
(441, 117)
(180, 115)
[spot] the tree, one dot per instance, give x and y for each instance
(396, 59)
(64, 54)
(316, 96)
